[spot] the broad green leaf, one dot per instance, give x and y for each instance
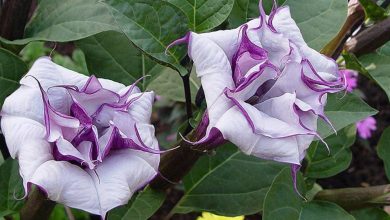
(204, 15)
(383, 150)
(371, 214)
(322, 165)
(321, 210)
(282, 202)
(111, 55)
(319, 20)
(352, 62)
(281, 199)
(11, 188)
(378, 65)
(170, 85)
(144, 205)
(12, 68)
(373, 11)
(67, 20)
(229, 183)
(343, 111)
(152, 25)
(245, 10)
(76, 62)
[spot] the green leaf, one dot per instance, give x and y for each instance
(120, 61)
(204, 15)
(11, 188)
(76, 62)
(319, 20)
(343, 111)
(60, 21)
(370, 214)
(282, 201)
(170, 85)
(373, 11)
(383, 150)
(352, 62)
(321, 210)
(322, 165)
(229, 183)
(378, 66)
(12, 68)
(144, 205)
(152, 25)
(245, 10)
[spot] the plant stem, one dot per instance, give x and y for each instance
(370, 39)
(187, 93)
(187, 63)
(357, 198)
(174, 165)
(3, 148)
(13, 18)
(354, 20)
(37, 206)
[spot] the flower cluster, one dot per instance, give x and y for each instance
(264, 86)
(88, 143)
(85, 142)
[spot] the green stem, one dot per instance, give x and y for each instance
(357, 198)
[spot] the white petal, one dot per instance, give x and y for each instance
(281, 108)
(285, 25)
(19, 131)
(50, 74)
(213, 66)
(236, 129)
(119, 176)
(291, 82)
(111, 85)
(141, 109)
(24, 102)
(251, 88)
(147, 133)
(66, 149)
(68, 184)
(32, 154)
(320, 62)
(227, 40)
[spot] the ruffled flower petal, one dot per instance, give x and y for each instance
(77, 137)
(68, 184)
(18, 131)
(121, 174)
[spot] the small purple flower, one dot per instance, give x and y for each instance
(86, 142)
(351, 78)
(264, 86)
(366, 127)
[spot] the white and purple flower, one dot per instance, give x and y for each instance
(264, 86)
(86, 142)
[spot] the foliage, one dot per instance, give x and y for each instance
(127, 40)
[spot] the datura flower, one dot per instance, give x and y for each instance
(264, 86)
(85, 142)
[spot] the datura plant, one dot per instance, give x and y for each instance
(208, 109)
